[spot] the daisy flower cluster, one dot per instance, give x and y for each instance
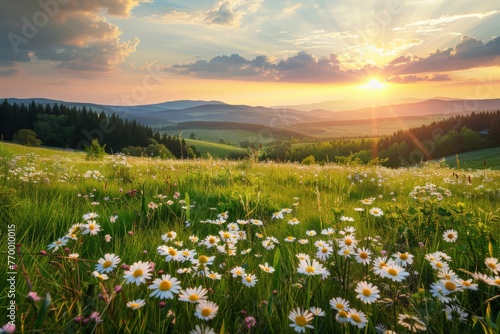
(429, 191)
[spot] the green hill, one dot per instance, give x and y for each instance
(216, 149)
(488, 158)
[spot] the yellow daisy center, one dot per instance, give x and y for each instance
(392, 272)
(310, 269)
(226, 235)
(137, 273)
(134, 305)
(91, 227)
(172, 251)
(465, 283)
(492, 265)
(107, 264)
(439, 265)
(165, 285)
(300, 320)
(170, 235)
(211, 240)
(451, 236)
(348, 242)
(497, 281)
(324, 250)
(382, 265)
(339, 306)
(203, 259)
(194, 297)
(355, 317)
(206, 312)
(346, 252)
(363, 255)
(404, 257)
(249, 279)
(342, 314)
(367, 292)
(450, 286)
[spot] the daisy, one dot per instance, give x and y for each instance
(492, 264)
(293, 221)
(277, 215)
(363, 256)
(447, 274)
(165, 288)
(367, 201)
(249, 280)
(107, 237)
(410, 322)
(455, 312)
(300, 319)
(450, 236)
(169, 236)
(194, 239)
(311, 233)
(367, 292)
(339, 304)
(342, 317)
(438, 291)
(439, 265)
(202, 330)
(303, 241)
(108, 263)
(345, 252)
(302, 256)
(193, 295)
(90, 216)
(324, 252)
(206, 310)
(403, 259)
(256, 222)
(139, 272)
(357, 318)
(210, 241)
(394, 271)
(100, 276)
(290, 239)
(328, 231)
(112, 219)
(376, 212)
(91, 227)
(136, 304)
(203, 260)
(266, 268)
(317, 311)
(58, 243)
(237, 271)
(348, 241)
(467, 284)
(310, 268)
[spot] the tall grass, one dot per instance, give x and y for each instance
(45, 195)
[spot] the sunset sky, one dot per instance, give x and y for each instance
(130, 52)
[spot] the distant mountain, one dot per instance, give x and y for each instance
(423, 108)
(173, 112)
(341, 105)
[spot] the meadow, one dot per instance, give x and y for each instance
(140, 245)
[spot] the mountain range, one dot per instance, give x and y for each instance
(173, 112)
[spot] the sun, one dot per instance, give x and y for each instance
(374, 84)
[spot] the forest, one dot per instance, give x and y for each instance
(61, 126)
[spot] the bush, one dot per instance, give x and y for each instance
(309, 160)
(26, 137)
(95, 151)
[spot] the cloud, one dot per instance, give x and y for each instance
(468, 53)
(9, 72)
(73, 34)
(415, 78)
(433, 25)
(225, 14)
(292, 9)
(301, 67)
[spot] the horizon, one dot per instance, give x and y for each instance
(139, 52)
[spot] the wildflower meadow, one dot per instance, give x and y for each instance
(139, 245)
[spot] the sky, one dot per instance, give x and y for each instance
(261, 52)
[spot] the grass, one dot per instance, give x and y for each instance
(234, 137)
(215, 149)
(240, 214)
(476, 159)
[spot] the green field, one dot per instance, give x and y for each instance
(367, 128)
(233, 137)
(476, 159)
(141, 245)
(215, 149)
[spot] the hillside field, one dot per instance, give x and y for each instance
(142, 245)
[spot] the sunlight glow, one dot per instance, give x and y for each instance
(374, 84)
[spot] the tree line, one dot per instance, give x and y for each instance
(65, 127)
(405, 147)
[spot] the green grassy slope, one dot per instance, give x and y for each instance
(476, 159)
